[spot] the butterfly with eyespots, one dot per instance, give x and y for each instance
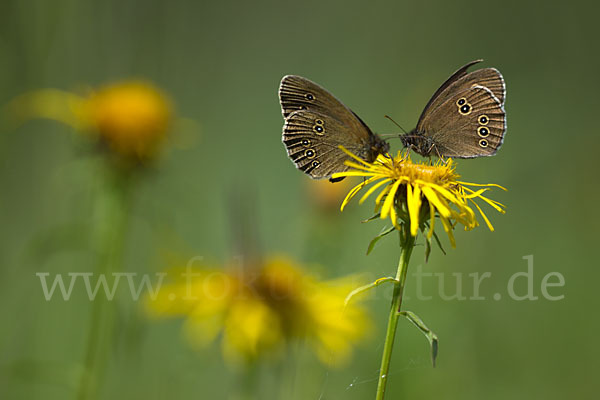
(464, 118)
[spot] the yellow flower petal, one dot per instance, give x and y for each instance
(353, 193)
(389, 200)
(433, 198)
(360, 160)
(485, 218)
(382, 194)
(475, 194)
(414, 206)
(482, 184)
(372, 189)
(448, 228)
(432, 221)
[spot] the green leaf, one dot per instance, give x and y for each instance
(437, 239)
(427, 249)
(371, 218)
(367, 287)
(432, 337)
(384, 231)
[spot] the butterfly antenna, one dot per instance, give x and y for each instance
(395, 123)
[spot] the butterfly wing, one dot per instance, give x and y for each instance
(490, 78)
(470, 123)
(462, 71)
(300, 94)
(461, 80)
(316, 124)
(312, 141)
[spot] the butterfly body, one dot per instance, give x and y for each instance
(418, 142)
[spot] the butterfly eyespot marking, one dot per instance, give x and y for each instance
(319, 130)
(315, 164)
(465, 109)
(301, 107)
(310, 153)
(483, 131)
(309, 96)
(483, 119)
(483, 143)
(305, 142)
(461, 101)
(319, 122)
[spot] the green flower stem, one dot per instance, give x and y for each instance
(407, 243)
(109, 229)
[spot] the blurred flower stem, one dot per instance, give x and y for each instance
(407, 242)
(128, 122)
(109, 229)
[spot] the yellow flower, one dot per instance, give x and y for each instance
(256, 312)
(132, 117)
(415, 193)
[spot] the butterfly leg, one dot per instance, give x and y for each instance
(405, 155)
(438, 154)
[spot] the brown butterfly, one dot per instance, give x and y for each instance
(464, 118)
(316, 124)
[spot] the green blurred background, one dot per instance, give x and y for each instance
(221, 62)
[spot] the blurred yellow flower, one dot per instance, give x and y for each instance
(256, 312)
(416, 192)
(326, 195)
(132, 118)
